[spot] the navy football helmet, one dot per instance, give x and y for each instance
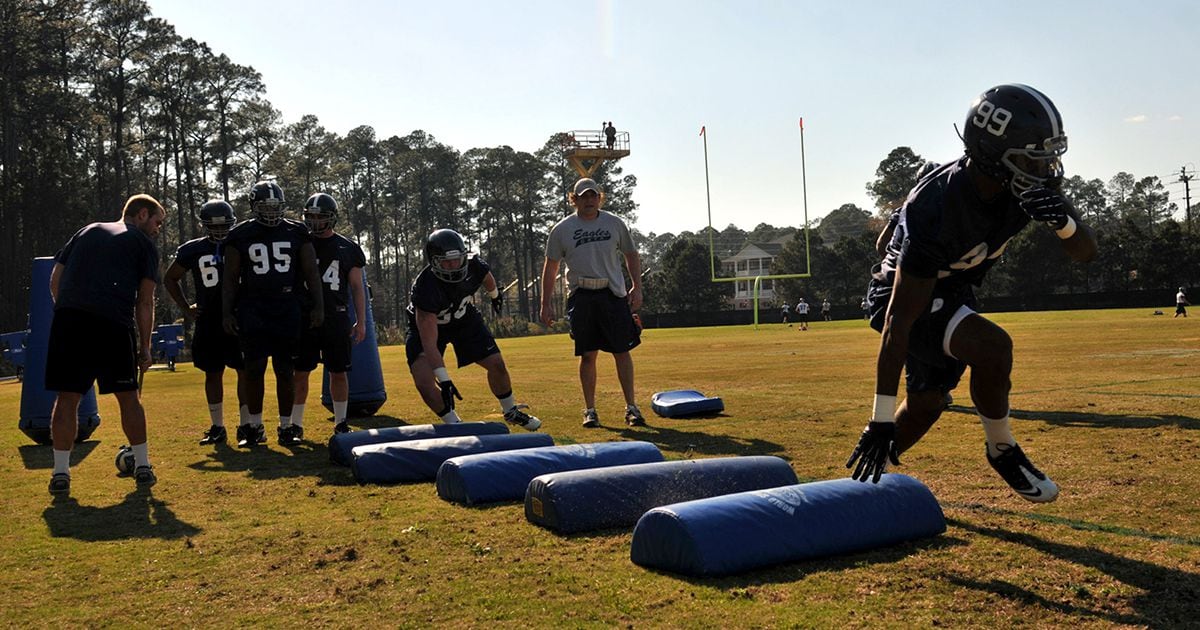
(1014, 133)
(266, 203)
(443, 246)
(320, 213)
(217, 218)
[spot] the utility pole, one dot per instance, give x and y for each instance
(1186, 177)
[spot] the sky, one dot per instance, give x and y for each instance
(866, 77)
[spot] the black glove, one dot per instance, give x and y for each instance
(497, 304)
(1045, 205)
(876, 446)
(449, 393)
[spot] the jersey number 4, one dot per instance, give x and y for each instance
(276, 257)
(332, 276)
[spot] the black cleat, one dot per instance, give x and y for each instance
(249, 435)
(291, 435)
(144, 476)
(214, 435)
(341, 427)
(60, 484)
(516, 416)
(1016, 470)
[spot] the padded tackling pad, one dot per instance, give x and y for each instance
(341, 443)
(684, 402)
(585, 500)
(739, 532)
(492, 477)
(418, 460)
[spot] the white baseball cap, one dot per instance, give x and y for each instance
(586, 184)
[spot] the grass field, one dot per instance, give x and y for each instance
(1106, 402)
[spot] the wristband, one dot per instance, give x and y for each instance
(1068, 230)
(885, 409)
(494, 293)
(442, 375)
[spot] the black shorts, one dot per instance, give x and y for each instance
(328, 345)
(213, 349)
(472, 340)
(927, 367)
(268, 328)
(1180, 310)
(86, 349)
(601, 321)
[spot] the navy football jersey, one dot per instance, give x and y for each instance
(336, 256)
(270, 258)
(451, 301)
(206, 262)
(946, 231)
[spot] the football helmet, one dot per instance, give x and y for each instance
(320, 213)
(1015, 134)
(446, 246)
(266, 203)
(217, 218)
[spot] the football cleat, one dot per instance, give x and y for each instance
(591, 418)
(60, 484)
(214, 435)
(341, 427)
(249, 435)
(291, 435)
(521, 419)
(633, 417)
(144, 476)
(1021, 476)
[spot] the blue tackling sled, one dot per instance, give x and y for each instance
(681, 403)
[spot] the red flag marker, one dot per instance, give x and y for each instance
(702, 130)
(802, 122)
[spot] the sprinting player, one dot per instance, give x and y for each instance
(951, 230)
(267, 262)
(802, 314)
(340, 263)
(102, 285)
(212, 348)
(1181, 304)
(599, 308)
(441, 312)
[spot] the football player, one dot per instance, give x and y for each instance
(340, 263)
(267, 261)
(212, 348)
(951, 230)
(441, 312)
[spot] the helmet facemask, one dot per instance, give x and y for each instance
(216, 231)
(456, 274)
(318, 221)
(1033, 167)
(269, 212)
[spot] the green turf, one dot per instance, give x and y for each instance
(1106, 402)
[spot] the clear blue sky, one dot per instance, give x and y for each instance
(866, 76)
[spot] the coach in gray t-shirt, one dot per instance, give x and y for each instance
(599, 308)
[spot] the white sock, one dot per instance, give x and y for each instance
(254, 419)
(141, 457)
(339, 410)
(298, 415)
(508, 402)
(214, 412)
(451, 417)
(997, 431)
(243, 414)
(285, 421)
(62, 462)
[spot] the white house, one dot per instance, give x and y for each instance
(754, 259)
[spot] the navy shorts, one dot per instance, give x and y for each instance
(927, 367)
(329, 345)
(601, 321)
(85, 348)
(472, 340)
(268, 328)
(213, 349)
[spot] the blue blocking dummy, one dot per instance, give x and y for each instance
(367, 392)
(341, 444)
(418, 460)
(586, 500)
(681, 403)
(492, 477)
(740, 532)
(36, 401)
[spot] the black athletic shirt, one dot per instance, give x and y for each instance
(206, 261)
(270, 258)
(103, 266)
(451, 301)
(336, 256)
(947, 232)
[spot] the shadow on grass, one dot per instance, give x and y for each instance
(1167, 598)
(1097, 420)
(308, 459)
(694, 443)
(139, 515)
(39, 457)
(1078, 524)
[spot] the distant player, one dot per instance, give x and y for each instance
(1181, 303)
(212, 348)
(785, 311)
(340, 263)
(441, 312)
(951, 230)
(825, 310)
(267, 262)
(802, 314)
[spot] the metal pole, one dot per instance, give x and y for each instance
(712, 265)
(804, 189)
